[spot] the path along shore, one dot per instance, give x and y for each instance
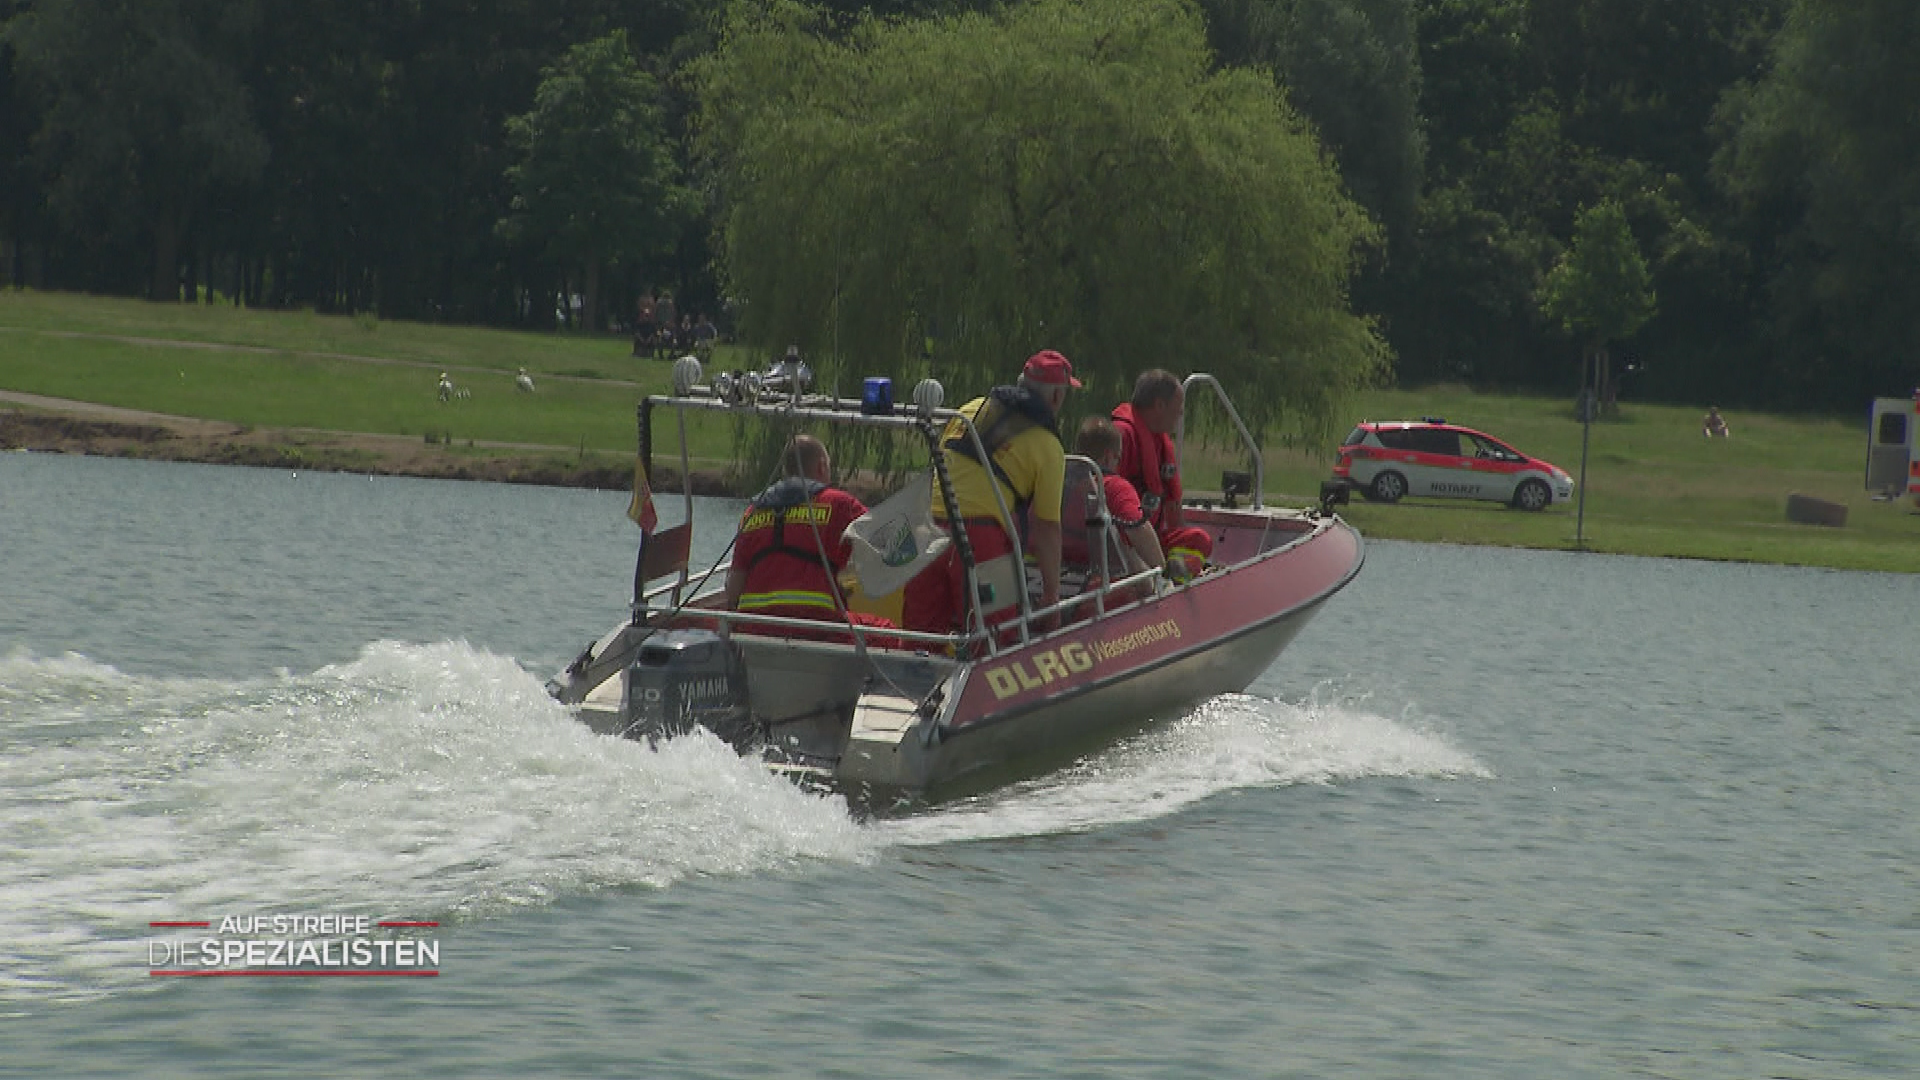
(56, 425)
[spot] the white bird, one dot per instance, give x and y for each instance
(524, 381)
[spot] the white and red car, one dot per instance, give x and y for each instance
(1389, 460)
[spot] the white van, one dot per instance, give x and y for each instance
(1893, 448)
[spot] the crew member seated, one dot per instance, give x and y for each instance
(1018, 428)
(1147, 459)
(1137, 548)
(791, 544)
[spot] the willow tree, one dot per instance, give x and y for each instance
(955, 193)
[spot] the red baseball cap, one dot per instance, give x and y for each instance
(1051, 368)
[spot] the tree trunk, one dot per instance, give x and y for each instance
(590, 306)
(1609, 390)
(166, 256)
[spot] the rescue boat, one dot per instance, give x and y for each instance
(935, 716)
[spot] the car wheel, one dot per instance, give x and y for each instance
(1388, 487)
(1532, 495)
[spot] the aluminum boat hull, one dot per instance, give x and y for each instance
(898, 720)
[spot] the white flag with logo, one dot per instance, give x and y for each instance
(897, 539)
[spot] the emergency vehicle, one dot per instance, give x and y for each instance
(1893, 448)
(1386, 461)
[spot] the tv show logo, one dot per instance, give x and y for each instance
(295, 945)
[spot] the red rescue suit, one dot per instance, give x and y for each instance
(1147, 460)
(787, 563)
(792, 537)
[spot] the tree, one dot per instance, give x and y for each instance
(19, 184)
(1600, 289)
(1351, 67)
(1062, 174)
(595, 180)
(1535, 108)
(145, 116)
(1825, 156)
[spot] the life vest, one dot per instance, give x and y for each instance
(1006, 413)
(1157, 477)
(801, 580)
(1082, 534)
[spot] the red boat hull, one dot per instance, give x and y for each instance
(1028, 706)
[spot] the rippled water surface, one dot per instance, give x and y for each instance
(1495, 813)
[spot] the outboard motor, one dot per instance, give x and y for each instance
(684, 679)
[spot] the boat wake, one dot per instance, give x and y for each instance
(1232, 742)
(441, 782)
(415, 782)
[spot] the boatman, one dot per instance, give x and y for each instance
(1019, 428)
(1147, 459)
(792, 541)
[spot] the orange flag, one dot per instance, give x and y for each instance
(641, 508)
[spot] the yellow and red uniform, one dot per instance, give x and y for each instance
(792, 537)
(1031, 472)
(1148, 461)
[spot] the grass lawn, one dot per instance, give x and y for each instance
(1654, 485)
(298, 369)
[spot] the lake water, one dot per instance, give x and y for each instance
(1494, 814)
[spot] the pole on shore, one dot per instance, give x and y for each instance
(1589, 404)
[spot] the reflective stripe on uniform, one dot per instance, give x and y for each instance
(787, 598)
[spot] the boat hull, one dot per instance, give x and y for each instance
(1028, 708)
(883, 720)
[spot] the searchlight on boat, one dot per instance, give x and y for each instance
(928, 396)
(687, 372)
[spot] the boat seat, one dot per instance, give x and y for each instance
(666, 552)
(1085, 526)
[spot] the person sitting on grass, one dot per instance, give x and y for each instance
(1714, 426)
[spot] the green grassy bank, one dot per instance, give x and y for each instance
(1654, 486)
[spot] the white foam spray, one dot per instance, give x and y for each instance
(435, 782)
(1233, 741)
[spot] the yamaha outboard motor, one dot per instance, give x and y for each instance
(684, 679)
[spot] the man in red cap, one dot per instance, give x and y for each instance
(1019, 429)
(1147, 459)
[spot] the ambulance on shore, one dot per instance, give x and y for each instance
(1893, 448)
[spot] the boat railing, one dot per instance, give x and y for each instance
(752, 619)
(780, 403)
(1199, 378)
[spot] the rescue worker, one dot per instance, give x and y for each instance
(792, 540)
(1019, 428)
(1139, 547)
(1147, 459)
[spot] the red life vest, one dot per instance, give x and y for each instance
(790, 543)
(1147, 460)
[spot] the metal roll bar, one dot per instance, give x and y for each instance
(835, 410)
(1253, 448)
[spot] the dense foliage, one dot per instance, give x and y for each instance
(361, 156)
(1069, 174)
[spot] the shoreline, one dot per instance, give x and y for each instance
(52, 425)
